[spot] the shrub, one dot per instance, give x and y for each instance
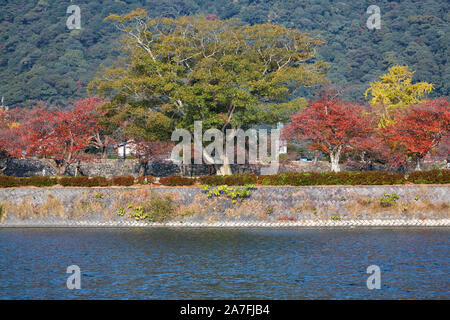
(74, 181)
(240, 179)
(122, 181)
(271, 180)
(430, 176)
(38, 181)
(145, 180)
(332, 178)
(84, 181)
(177, 181)
(7, 182)
(95, 181)
(212, 180)
(99, 182)
(302, 179)
(269, 210)
(389, 200)
(158, 209)
(233, 180)
(235, 193)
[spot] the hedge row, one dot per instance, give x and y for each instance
(432, 176)
(37, 181)
(333, 178)
(96, 181)
(6, 181)
(84, 181)
(173, 181)
(315, 178)
(284, 179)
(233, 180)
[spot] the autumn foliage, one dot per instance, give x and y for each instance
(335, 127)
(331, 126)
(419, 130)
(11, 139)
(59, 136)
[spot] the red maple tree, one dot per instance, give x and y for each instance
(11, 142)
(91, 108)
(61, 137)
(419, 129)
(331, 126)
(150, 151)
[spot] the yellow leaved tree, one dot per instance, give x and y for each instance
(395, 91)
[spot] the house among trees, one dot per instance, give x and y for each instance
(126, 149)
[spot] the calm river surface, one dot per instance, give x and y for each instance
(224, 263)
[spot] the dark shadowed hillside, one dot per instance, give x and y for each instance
(40, 59)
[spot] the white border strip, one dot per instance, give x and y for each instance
(248, 224)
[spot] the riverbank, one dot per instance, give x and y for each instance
(145, 206)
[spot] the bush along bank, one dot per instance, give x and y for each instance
(284, 179)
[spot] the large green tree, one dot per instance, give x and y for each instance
(221, 72)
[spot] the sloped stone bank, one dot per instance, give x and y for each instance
(315, 206)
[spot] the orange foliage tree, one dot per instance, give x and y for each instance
(331, 126)
(60, 137)
(419, 130)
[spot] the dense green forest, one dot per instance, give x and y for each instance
(41, 59)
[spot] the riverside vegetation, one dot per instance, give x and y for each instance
(172, 75)
(284, 179)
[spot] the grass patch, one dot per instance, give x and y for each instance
(158, 209)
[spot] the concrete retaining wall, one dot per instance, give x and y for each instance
(418, 205)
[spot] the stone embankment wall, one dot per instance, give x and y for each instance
(35, 167)
(129, 167)
(118, 167)
(272, 206)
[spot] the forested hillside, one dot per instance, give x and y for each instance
(41, 59)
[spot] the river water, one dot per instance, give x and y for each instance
(224, 263)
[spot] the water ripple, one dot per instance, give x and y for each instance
(224, 263)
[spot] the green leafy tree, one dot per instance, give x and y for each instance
(221, 72)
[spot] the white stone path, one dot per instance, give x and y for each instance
(246, 224)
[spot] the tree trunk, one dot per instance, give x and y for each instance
(62, 169)
(125, 150)
(418, 165)
(334, 158)
(3, 168)
(53, 164)
(143, 168)
(224, 169)
(104, 153)
(316, 157)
